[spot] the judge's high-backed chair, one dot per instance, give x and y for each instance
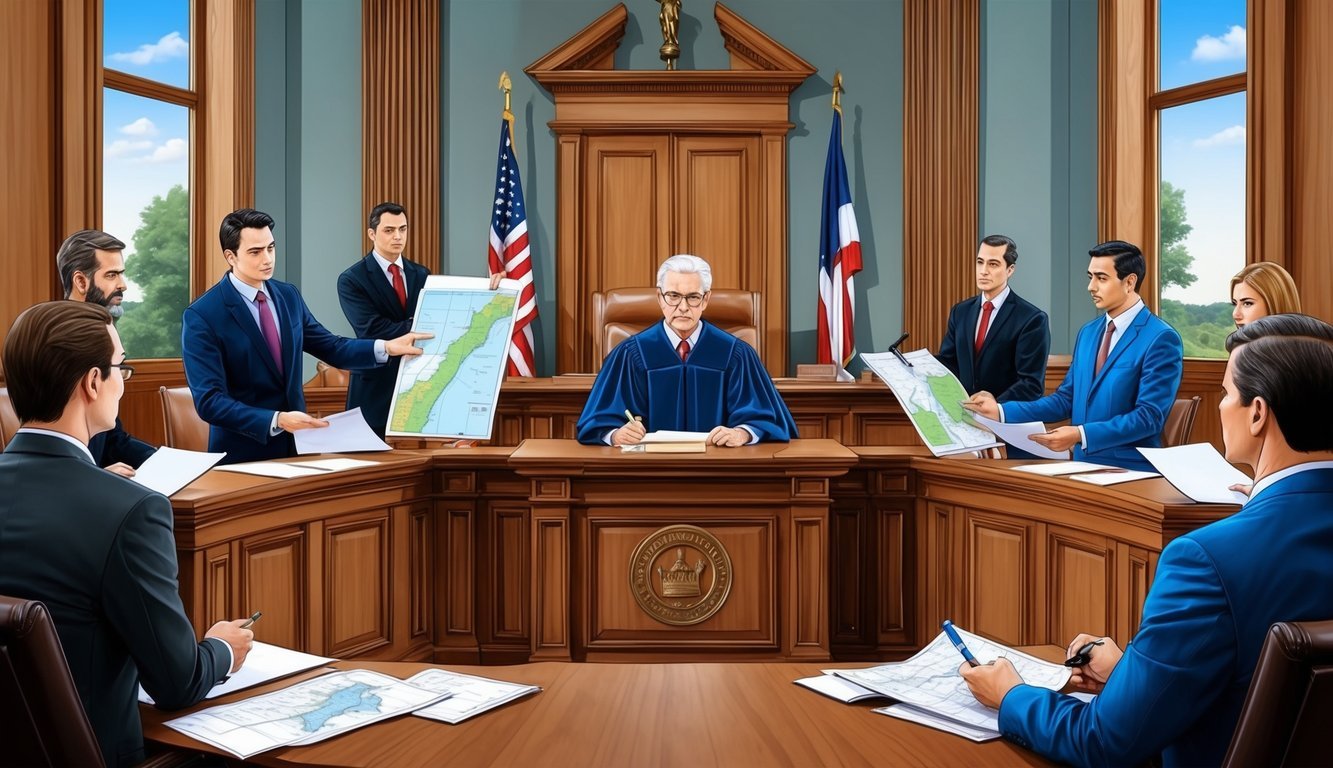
(43, 718)
(184, 428)
(9, 420)
(1179, 422)
(620, 313)
(1289, 706)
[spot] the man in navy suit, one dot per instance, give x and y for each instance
(243, 341)
(96, 549)
(1177, 690)
(92, 268)
(997, 341)
(1122, 380)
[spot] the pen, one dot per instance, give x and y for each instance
(958, 643)
(1084, 654)
(896, 353)
(1103, 471)
(253, 618)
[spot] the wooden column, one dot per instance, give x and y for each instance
(940, 49)
(1269, 88)
(400, 117)
(1310, 165)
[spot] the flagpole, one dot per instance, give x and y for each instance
(507, 85)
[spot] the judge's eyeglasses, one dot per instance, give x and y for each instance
(673, 299)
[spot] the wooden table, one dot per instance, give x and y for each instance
(724, 714)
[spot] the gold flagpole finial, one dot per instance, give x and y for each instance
(837, 91)
(507, 85)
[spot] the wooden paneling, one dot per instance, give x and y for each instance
(999, 573)
(719, 179)
(1269, 99)
(897, 558)
(550, 596)
(420, 568)
(940, 135)
(629, 202)
(400, 118)
(357, 575)
(273, 580)
(808, 586)
(1082, 573)
(1126, 135)
(1311, 169)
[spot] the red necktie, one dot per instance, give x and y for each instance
(684, 349)
(1106, 348)
(986, 309)
(398, 286)
(269, 329)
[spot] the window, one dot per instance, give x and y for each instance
(1199, 109)
(148, 115)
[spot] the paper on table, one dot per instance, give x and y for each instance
(170, 469)
(335, 465)
(347, 432)
(1057, 468)
(922, 717)
(1112, 476)
(272, 469)
(1198, 471)
(469, 695)
(265, 662)
(1017, 436)
(674, 436)
(835, 687)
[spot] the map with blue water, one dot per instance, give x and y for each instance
(356, 698)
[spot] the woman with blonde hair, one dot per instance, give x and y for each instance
(1261, 289)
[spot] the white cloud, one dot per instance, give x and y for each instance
(1225, 48)
(141, 127)
(171, 46)
(173, 149)
(127, 148)
(1227, 137)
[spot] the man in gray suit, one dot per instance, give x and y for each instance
(96, 548)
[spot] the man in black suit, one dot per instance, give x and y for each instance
(996, 341)
(92, 268)
(379, 296)
(96, 548)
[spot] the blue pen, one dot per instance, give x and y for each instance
(958, 643)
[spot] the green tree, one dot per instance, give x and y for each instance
(1174, 266)
(160, 269)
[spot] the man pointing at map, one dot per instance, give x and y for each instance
(684, 374)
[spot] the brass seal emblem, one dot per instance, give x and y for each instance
(680, 575)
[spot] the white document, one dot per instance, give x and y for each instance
(304, 713)
(674, 436)
(1017, 436)
(334, 465)
(922, 717)
(469, 695)
(170, 469)
(1057, 468)
(273, 469)
(1199, 471)
(265, 662)
(932, 398)
(347, 432)
(1112, 476)
(930, 680)
(835, 687)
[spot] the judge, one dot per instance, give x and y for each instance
(684, 374)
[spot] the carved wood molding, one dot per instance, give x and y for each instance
(940, 135)
(400, 117)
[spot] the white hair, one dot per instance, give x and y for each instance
(686, 264)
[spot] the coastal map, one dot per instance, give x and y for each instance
(450, 390)
(931, 396)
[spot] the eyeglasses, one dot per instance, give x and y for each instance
(673, 299)
(126, 372)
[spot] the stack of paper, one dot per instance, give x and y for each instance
(670, 441)
(469, 695)
(170, 469)
(1200, 472)
(1086, 472)
(265, 662)
(289, 469)
(835, 687)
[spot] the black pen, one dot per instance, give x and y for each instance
(1084, 654)
(896, 353)
(253, 618)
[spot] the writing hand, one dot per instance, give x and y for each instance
(1092, 677)
(240, 640)
(990, 682)
(405, 345)
(728, 437)
(983, 403)
(294, 420)
(1058, 439)
(630, 434)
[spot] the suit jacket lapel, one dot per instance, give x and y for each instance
(241, 314)
(1001, 317)
(416, 280)
(1126, 340)
(967, 359)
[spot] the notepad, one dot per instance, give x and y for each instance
(835, 687)
(670, 441)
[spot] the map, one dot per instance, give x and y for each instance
(932, 396)
(450, 390)
(306, 712)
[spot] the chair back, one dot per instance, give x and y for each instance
(183, 427)
(1179, 422)
(620, 313)
(1289, 706)
(9, 420)
(328, 376)
(44, 721)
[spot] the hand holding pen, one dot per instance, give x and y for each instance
(630, 434)
(238, 635)
(1092, 658)
(988, 682)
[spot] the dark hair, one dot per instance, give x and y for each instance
(378, 212)
(1010, 247)
(1128, 260)
(229, 234)
(79, 254)
(1288, 361)
(49, 348)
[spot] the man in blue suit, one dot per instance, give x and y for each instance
(242, 344)
(1177, 690)
(1123, 378)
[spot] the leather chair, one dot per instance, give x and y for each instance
(1179, 422)
(184, 428)
(620, 313)
(9, 421)
(1289, 706)
(44, 721)
(328, 376)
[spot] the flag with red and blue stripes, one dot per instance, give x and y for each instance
(839, 260)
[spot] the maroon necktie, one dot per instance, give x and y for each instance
(986, 309)
(1106, 348)
(684, 349)
(269, 329)
(398, 286)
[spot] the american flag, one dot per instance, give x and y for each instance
(509, 252)
(839, 259)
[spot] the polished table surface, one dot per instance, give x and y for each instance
(732, 714)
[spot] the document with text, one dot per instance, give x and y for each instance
(469, 695)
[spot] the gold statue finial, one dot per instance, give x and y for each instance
(837, 91)
(507, 85)
(669, 18)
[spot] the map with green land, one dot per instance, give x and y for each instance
(932, 396)
(450, 390)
